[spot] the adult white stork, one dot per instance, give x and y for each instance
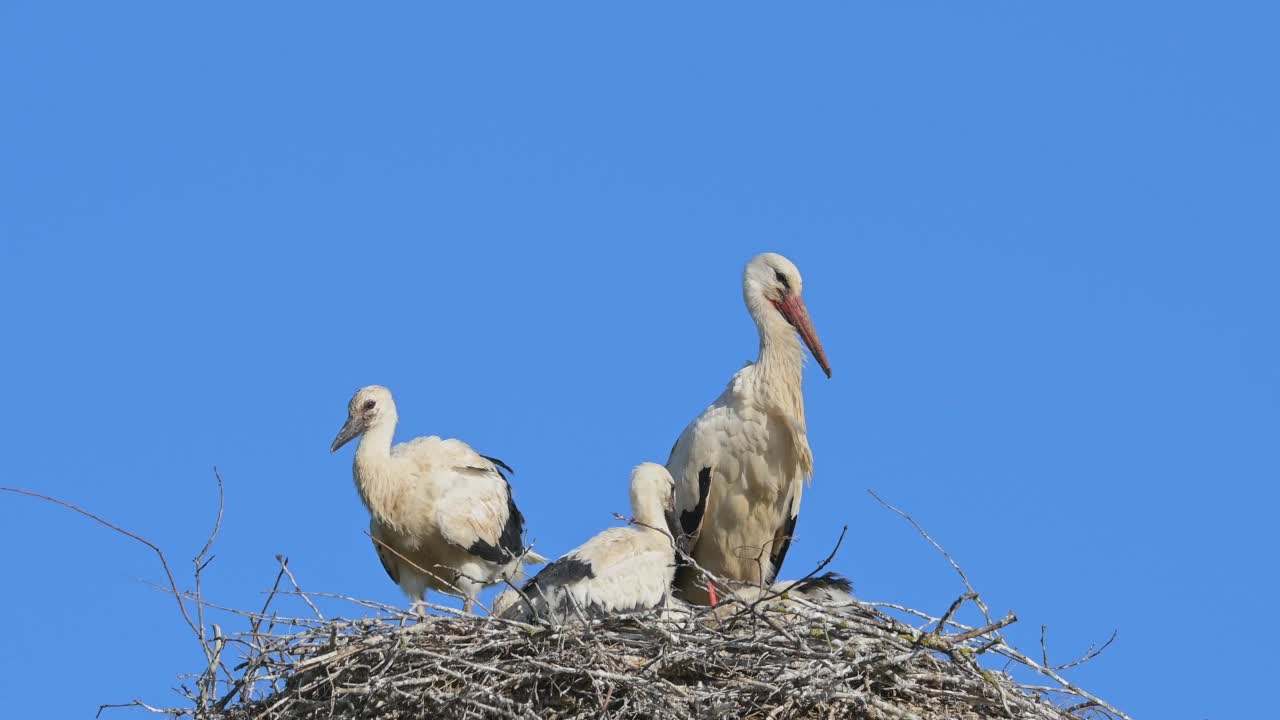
(623, 569)
(441, 514)
(751, 445)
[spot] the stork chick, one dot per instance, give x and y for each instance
(442, 515)
(623, 569)
(751, 445)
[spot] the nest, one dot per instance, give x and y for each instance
(794, 655)
(785, 657)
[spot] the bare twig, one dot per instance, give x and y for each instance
(827, 560)
(209, 680)
(987, 630)
(1089, 654)
(959, 571)
(173, 584)
(284, 568)
(946, 617)
(140, 704)
(424, 571)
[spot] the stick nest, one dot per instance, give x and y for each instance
(789, 658)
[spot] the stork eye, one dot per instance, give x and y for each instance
(782, 279)
(368, 404)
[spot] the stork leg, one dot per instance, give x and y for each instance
(711, 593)
(468, 606)
(419, 607)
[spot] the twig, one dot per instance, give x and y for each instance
(139, 704)
(425, 571)
(209, 681)
(173, 584)
(965, 578)
(1088, 655)
(952, 611)
(979, 632)
(284, 567)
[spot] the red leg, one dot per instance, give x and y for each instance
(711, 594)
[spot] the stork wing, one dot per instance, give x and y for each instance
(501, 466)
(618, 570)
(782, 540)
(385, 556)
(547, 590)
(476, 510)
(698, 461)
(685, 525)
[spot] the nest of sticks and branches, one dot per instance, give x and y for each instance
(788, 660)
(788, 656)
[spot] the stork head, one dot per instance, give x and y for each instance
(370, 407)
(771, 286)
(652, 494)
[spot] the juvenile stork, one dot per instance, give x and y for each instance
(441, 514)
(623, 569)
(750, 446)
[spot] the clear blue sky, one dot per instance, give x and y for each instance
(1040, 244)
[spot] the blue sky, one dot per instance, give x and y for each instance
(1039, 243)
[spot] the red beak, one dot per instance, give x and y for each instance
(793, 309)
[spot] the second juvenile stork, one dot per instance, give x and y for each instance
(750, 446)
(622, 569)
(442, 515)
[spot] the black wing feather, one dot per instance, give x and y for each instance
(834, 582)
(686, 526)
(500, 464)
(387, 564)
(691, 520)
(543, 591)
(510, 544)
(779, 555)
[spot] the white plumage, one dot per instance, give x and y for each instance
(748, 453)
(442, 515)
(620, 570)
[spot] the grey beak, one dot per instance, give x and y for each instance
(673, 527)
(354, 428)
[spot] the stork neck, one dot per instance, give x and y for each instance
(650, 514)
(374, 477)
(778, 368)
(376, 442)
(646, 504)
